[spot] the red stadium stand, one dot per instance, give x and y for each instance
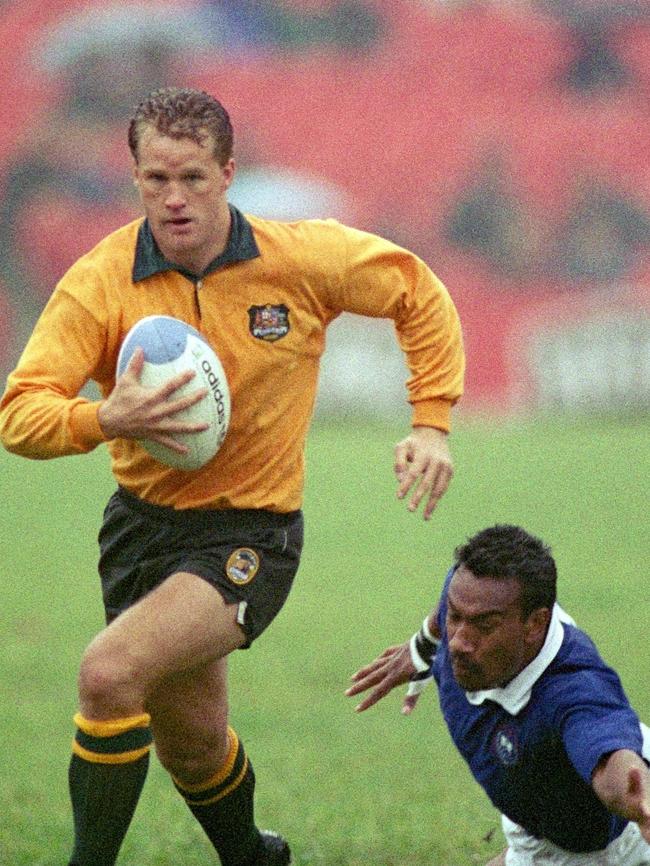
(402, 130)
(440, 90)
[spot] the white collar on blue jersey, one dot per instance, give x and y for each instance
(514, 697)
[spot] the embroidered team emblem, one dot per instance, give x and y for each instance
(242, 566)
(505, 745)
(269, 322)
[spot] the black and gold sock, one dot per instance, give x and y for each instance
(223, 806)
(107, 771)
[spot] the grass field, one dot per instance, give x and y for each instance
(346, 789)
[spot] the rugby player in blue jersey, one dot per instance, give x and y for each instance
(541, 720)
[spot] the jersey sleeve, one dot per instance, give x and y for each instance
(383, 280)
(600, 722)
(41, 413)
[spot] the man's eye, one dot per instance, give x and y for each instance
(485, 627)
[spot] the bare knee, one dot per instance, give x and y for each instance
(192, 757)
(109, 684)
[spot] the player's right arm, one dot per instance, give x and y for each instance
(41, 412)
(622, 782)
(409, 662)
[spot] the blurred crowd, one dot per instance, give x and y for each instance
(503, 140)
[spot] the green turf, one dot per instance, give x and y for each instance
(347, 789)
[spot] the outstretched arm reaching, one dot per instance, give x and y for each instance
(622, 781)
(407, 662)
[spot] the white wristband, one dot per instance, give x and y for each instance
(418, 663)
(416, 687)
(426, 631)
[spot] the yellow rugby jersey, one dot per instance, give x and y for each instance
(264, 305)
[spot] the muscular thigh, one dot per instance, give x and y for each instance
(183, 625)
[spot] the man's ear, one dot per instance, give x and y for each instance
(228, 172)
(537, 624)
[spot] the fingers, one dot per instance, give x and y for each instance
(168, 442)
(135, 365)
(370, 675)
(168, 408)
(634, 783)
(370, 701)
(637, 793)
(431, 480)
(438, 488)
(392, 668)
(376, 664)
(164, 391)
(423, 466)
(403, 457)
(136, 411)
(384, 686)
(409, 703)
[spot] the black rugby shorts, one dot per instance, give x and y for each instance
(249, 556)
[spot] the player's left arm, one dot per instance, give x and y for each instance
(621, 781)
(382, 280)
(423, 465)
(408, 662)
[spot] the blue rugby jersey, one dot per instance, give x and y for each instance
(535, 763)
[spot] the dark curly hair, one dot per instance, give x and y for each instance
(184, 113)
(507, 551)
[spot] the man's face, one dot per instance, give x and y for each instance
(183, 191)
(490, 641)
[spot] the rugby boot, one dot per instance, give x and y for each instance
(273, 850)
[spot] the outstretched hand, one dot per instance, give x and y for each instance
(393, 667)
(424, 466)
(622, 781)
(133, 411)
(638, 797)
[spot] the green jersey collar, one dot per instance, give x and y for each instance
(149, 260)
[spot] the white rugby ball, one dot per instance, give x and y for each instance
(170, 347)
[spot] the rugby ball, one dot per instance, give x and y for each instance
(170, 347)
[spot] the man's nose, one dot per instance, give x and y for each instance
(461, 641)
(174, 198)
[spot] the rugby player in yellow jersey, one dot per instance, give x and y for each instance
(172, 543)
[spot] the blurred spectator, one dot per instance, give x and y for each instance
(107, 56)
(489, 220)
(602, 236)
(596, 65)
(346, 25)
(65, 186)
(60, 193)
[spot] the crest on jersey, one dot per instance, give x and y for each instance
(269, 322)
(505, 745)
(242, 566)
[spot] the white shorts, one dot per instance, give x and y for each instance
(629, 849)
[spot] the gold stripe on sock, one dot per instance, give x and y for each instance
(222, 773)
(226, 790)
(121, 758)
(111, 727)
